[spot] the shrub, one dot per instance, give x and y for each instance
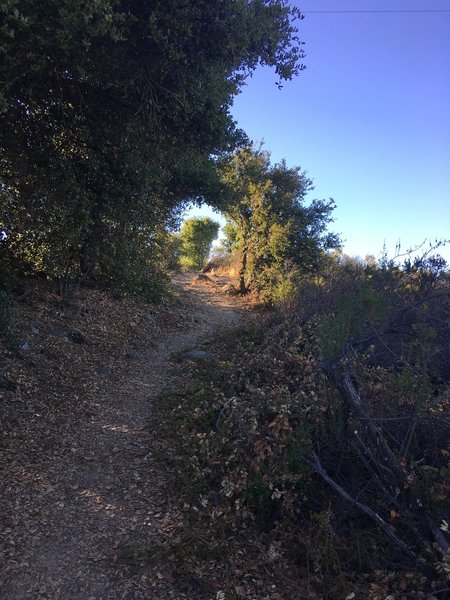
(336, 409)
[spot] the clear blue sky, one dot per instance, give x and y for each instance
(369, 119)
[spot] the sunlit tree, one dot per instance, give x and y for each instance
(196, 238)
(278, 236)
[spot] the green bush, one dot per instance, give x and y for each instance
(196, 237)
(334, 332)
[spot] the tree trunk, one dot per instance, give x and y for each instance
(89, 246)
(242, 272)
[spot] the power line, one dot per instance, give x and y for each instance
(335, 12)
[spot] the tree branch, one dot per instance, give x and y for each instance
(388, 530)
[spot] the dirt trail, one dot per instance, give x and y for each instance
(103, 489)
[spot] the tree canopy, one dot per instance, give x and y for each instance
(277, 235)
(112, 113)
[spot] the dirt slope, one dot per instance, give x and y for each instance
(79, 480)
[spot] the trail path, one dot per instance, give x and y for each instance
(102, 489)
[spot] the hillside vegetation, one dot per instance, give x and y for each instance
(147, 451)
(114, 116)
(315, 452)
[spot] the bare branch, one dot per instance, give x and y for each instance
(388, 530)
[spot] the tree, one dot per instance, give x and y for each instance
(196, 237)
(278, 237)
(112, 113)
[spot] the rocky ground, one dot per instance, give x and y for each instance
(79, 481)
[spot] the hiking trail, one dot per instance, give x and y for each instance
(97, 488)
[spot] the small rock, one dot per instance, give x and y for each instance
(197, 356)
(32, 329)
(24, 345)
(151, 319)
(134, 355)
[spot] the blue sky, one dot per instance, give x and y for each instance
(369, 119)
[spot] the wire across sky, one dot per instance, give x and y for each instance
(336, 12)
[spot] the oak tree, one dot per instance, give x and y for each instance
(278, 236)
(112, 114)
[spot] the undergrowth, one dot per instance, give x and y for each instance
(253, 439)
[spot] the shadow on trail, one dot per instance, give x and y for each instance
(98, 488)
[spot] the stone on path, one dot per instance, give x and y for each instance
(197, 356)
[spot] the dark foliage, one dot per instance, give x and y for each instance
(111, 112)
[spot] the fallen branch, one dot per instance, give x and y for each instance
(389, 474)
(353, 399)
(390, 498)
(389, 531)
